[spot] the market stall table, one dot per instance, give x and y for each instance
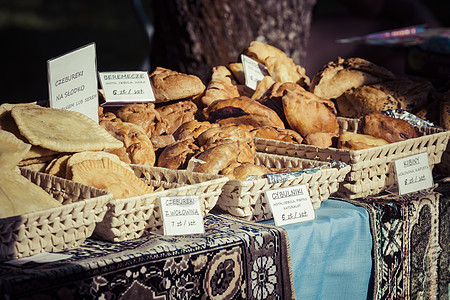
(332, 254)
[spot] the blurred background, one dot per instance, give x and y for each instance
(33, 31)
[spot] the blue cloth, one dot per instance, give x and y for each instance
(332, 255)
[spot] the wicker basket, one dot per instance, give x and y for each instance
(245, 198)
(54, 229)
(372, 170)
(134, 217)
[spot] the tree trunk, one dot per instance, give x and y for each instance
(194, 36)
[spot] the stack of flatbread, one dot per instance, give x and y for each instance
(17, 194)
(70, 145)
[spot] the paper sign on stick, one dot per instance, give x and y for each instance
(413, 173)
(72, 81)
(290, 205)
(126, 87)
(181, 215)
(254, 72)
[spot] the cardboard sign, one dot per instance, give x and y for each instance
(122, 88)
(72, 81)
(413, 173)
(181, 215)
(254, 72)
(290, 205)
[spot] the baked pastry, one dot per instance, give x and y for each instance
(171, 85)
(358, 141)
(338, 76)
(221, 109)
(215, 159)
(61, 130)
(359, 101)
(176, 155)
(192, 129)
(276, 133)
(137, 147)
(280, 67)
(177, 113)
(144, 115)
(221, 86)
(245, 171)
(307, 113)
(20, 196)
(321, 139)
(388, 128)
(107, 175)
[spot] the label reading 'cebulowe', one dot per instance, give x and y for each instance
(72, 81)
(290, 205)
(254, 72)
(126, 87)
(181, 215)
(413, 173)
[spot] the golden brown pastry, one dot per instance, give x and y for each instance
(177, 113)
(359, 101)
(280, 67)
(144, 115)
(279, 134)
(321, 139)
(243, 171)
(338, 76)
(221, 86)
(171, 85)
(176, 155)
(358, 141)
(138, 149)
(388, 128)
(307, 113)
(239, 106)
(215, 159)
(192, 129)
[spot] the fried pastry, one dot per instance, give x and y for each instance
(106, 175)
(20, 196)
(80, 157)
(245, 171)
(177, 113)
(61, 130)
(192, 129)
(279, 134)
(358, 141)
(137, 149)
(307, 113)
(12, 150)
(144, 115)
(280, 67)
(221, 86)
(176, 155)
(359, 101)
(215, 159)
(171, 85)
(239, 106)
(321, 139)
(388, 128)
(338, 76)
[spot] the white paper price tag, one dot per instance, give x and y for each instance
(181, 215)
(254, 72)
(413, 173)
(72, 81)
(126, 87)
(290, 205)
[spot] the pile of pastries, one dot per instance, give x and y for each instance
(210, 127)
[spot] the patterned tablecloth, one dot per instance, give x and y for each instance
(411, 252)
(232, 260)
